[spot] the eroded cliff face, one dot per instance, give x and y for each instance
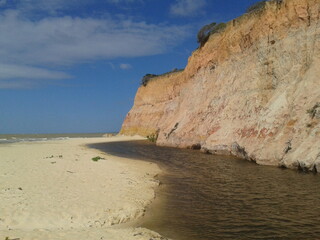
(250, 91)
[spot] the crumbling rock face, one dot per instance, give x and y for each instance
(250, 91)
(233, 150)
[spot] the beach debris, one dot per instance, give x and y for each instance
(53, 162)
(20, 188)
(96, 159)
(70, 172)
(59, 156)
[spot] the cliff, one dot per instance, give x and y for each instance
(252, 91)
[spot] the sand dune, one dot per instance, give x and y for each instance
(53, 190)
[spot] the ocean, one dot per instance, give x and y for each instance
(13, 138)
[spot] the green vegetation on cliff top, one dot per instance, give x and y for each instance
(206, 31)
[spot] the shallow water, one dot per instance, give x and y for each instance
(206, 197)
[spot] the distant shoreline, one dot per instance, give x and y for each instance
(12, 138)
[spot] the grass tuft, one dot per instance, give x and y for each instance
(96, 159)
(153, 137)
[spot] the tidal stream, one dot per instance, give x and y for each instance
(207, 197)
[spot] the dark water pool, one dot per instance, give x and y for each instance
(206, 197)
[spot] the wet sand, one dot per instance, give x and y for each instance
(54, 190)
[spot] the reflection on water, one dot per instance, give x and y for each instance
(208, 197)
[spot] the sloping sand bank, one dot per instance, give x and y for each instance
(54, 190)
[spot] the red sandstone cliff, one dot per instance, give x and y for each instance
(246, 92)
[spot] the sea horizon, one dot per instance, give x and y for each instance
(12, 138)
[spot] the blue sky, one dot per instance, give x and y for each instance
(74, 66)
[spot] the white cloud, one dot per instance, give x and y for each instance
(125, 66)
(66, 40)
(11, 71)
(186, 8)
(31, 46)
(52, 7)
(16, 84)
(3, 3)
(49, 6)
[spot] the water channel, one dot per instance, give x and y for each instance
(206, 197)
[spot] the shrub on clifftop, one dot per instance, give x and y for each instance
(146, 78)
(257, 6)
(207, 30)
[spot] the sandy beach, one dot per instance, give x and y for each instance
(54, 190)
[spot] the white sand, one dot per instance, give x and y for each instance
(53, 190)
